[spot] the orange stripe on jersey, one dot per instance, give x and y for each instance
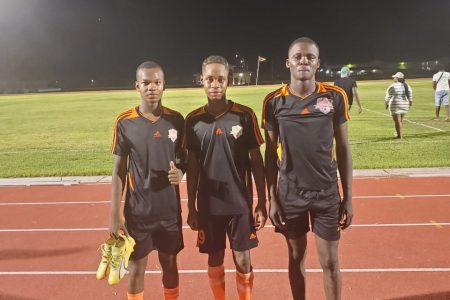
(256, 131)
(282, 91)
(321, 88)
(344, 96)
(130, 180)
(129, 114)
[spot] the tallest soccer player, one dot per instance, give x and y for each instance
(301, 120)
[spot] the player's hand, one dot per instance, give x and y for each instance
(116, 227)
(175, 175)
(192, 219)
(260, 216)
(275, 214)
(359, 110)
(345, 214)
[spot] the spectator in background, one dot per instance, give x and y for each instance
(441, 82)
(349, 86)
(398, 99)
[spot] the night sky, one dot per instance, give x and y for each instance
(73, 41)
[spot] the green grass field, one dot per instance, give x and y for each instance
(61, 134)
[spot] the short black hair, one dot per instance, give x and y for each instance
(148, 65)
(215, 59)
(303, 39)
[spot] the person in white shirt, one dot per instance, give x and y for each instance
(441, 83)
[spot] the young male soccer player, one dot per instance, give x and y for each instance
(301, 120)
(148, 159)
(223, 139)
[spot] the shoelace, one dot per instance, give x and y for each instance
(116, 260)
(106, 255)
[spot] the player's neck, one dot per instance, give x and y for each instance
(302, 88)
(218, 107)
(150, 112)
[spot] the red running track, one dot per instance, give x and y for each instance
(398, 248)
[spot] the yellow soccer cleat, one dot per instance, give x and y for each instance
(121, 252)
(103, 267)
(129, 248)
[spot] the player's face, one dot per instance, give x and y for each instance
(303, 61)
(150, 84)
(215, 81)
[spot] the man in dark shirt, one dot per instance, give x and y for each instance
(148, 164)
(223, 139)
(349, 86)
(301, 120)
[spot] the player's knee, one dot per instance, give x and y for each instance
(168, 262)
(136, 269)
(297, 255)
(330, 263)
(242, 261)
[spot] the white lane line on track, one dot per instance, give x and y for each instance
(406, 120)
(377, 270)
(185, 200)
(187, 227)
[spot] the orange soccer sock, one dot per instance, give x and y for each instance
(171, 294)
(217, 281)
(139, 296)
(244, 283)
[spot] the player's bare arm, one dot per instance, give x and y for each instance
(344, 160)
(271, 171)
(260, 215)
(193, 171)
(356, 96)
(118, 185)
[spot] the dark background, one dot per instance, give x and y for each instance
(71, 42)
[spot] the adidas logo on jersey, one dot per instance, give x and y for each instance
(219, 131)
(157, 134)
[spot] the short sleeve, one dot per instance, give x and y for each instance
(119, 145)
(269, 122)
(253, 136)
(340, 102)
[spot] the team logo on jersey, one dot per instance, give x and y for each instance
(173, 135)
(236, 131)
(325, 105)
(219, 131)
(157, 134)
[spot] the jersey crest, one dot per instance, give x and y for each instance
(173, 135)
(323, 104)
(236, 131)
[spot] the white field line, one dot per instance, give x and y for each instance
(185, 200)
(201, 271)
(409, 121)
(186, 227)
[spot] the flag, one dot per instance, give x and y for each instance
(261, 59)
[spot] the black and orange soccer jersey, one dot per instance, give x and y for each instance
(150, 146)
(222, 145)
(305, 127)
